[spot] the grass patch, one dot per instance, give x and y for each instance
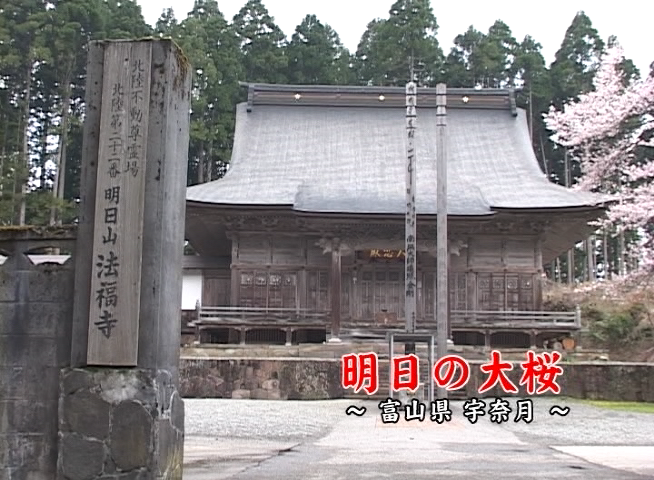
(638, 407)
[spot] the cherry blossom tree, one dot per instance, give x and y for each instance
(610, 131)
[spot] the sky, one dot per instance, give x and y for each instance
(629, 20)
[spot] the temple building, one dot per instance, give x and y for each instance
(304, 235)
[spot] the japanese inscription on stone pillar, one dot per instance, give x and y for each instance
(118, 229)
(410, 236)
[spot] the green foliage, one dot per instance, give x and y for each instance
(636, 407)
(262, 44)
(575, 62)
(316, 55)
(615, 324)
(213, 49)
(406, 40)
(612, 327)
(43, 61)
(42, 77)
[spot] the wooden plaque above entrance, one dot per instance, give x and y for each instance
(380, 255)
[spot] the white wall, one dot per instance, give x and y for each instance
(191, 290)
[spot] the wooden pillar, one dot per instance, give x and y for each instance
(590, 257)
(335, 291)
(235, 274)
(410, 259)
(129, 257)
(442, 249)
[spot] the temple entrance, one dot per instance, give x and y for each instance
(381, 293)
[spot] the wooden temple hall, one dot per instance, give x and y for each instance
(302, 240)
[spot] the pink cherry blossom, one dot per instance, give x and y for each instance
(593, 130)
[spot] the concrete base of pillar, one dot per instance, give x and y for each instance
(119, 424)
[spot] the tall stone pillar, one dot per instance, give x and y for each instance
(121, 413)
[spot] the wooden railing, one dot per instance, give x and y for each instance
(296, 317)
(244, 319)
(291, 320)
(238, 316)
(480, 319)
(463, 318)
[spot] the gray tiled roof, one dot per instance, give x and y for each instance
(352, 160)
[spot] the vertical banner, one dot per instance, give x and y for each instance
(410, 231)
(118, 228)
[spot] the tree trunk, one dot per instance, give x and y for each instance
(15, 164)
(60, 172)
(621, 254)
(201, 165)
(531, 116)
(546, 166)
(571, 252)
(25, 152)
(210, 162)
(590, 258)
(3, 153)
(605, 252)
(44, 153)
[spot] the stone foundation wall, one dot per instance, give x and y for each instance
(274, 379)
(120, 425)
(309, 379)
(628, 382)
(35, 326)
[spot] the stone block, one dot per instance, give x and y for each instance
(165, 388)
(250, 384)
(135, 475)
(26, 416)
(84, 458)
(122, 385)
(52, 283)
(259, 394)
(30, 382)
(170, 448)
(74, 380)
(241, 394)
(271, 384)
(26, 450)
(87, 414)
(131, 436)
(17, 350)
(275, 394)
(177, 411)
(35, 318)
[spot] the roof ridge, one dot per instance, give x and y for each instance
(376, 96)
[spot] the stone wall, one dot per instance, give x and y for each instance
(628, 382)
(35, 335)
(304, 379)
(274, 379)
(120, 425)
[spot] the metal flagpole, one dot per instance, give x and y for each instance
(441, 229)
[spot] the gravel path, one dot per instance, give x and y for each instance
(299, 421)
(285, 440)
(262, 419)
(585, 425)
